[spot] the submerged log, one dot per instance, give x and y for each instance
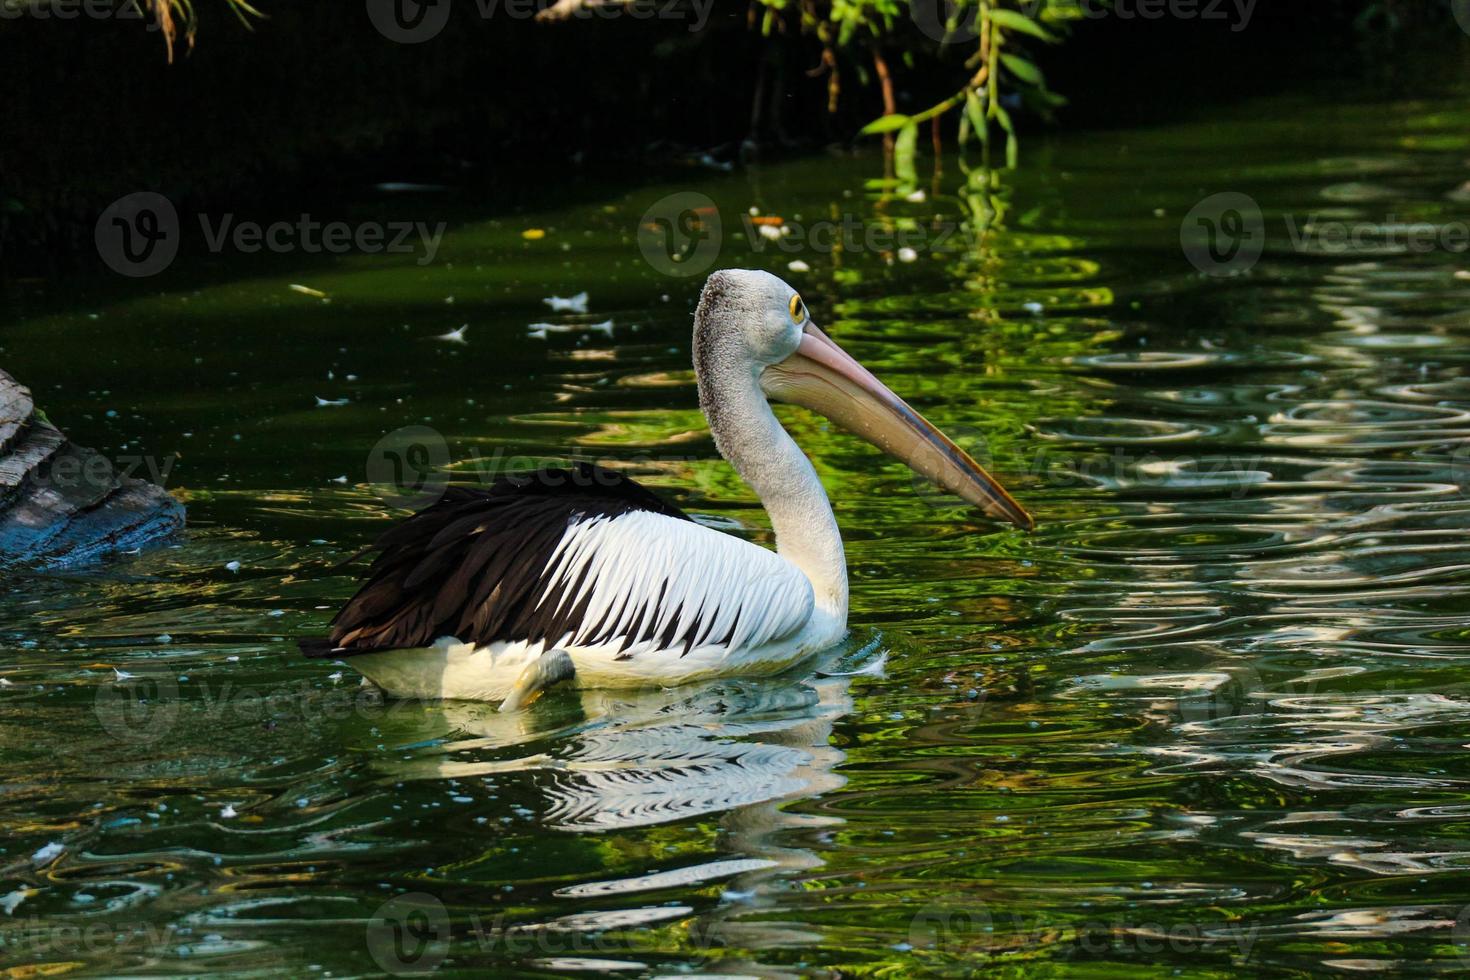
(62, 504)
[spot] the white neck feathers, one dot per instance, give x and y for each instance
(766, 457)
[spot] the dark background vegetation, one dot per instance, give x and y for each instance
(312, 101)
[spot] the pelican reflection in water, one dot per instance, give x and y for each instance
(737, 750)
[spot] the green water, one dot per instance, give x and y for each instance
(1210, 718)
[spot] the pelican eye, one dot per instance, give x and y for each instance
(798, 309)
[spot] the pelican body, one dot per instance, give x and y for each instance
(582, 575)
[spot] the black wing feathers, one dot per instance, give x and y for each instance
(473, 564)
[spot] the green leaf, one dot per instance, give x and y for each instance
(1013, 148)
(885, 124)
(1013, 21)
(1023, 69)
(905, 149)
(975, 112)
(1004, 118)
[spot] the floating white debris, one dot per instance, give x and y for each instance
(163, 638)
(232, 566)
(539, 331)
(232, 658)
(797, 265)
(339, 479)
(408, 187)
(907, 254)
(330, 402)
(567, 304)
(47, 854)
(917, 197)
(5, 683)
(296, 287)
(1034, 308)
(455, 336)
(9, 903)
(335, 678)
(229, 812)
(122, 675)
(769, 231)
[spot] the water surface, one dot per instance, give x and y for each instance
(1210, 717)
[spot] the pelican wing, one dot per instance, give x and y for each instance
(648, 582)
(573, 558)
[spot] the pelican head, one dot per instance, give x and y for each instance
(752, 321)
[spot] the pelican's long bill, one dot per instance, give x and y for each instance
(825, 378)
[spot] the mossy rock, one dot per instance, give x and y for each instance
(62, 504)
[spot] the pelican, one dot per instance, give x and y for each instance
(582, 575)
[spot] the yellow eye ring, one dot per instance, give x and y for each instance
(798, 309)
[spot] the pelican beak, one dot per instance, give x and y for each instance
(825, 378)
